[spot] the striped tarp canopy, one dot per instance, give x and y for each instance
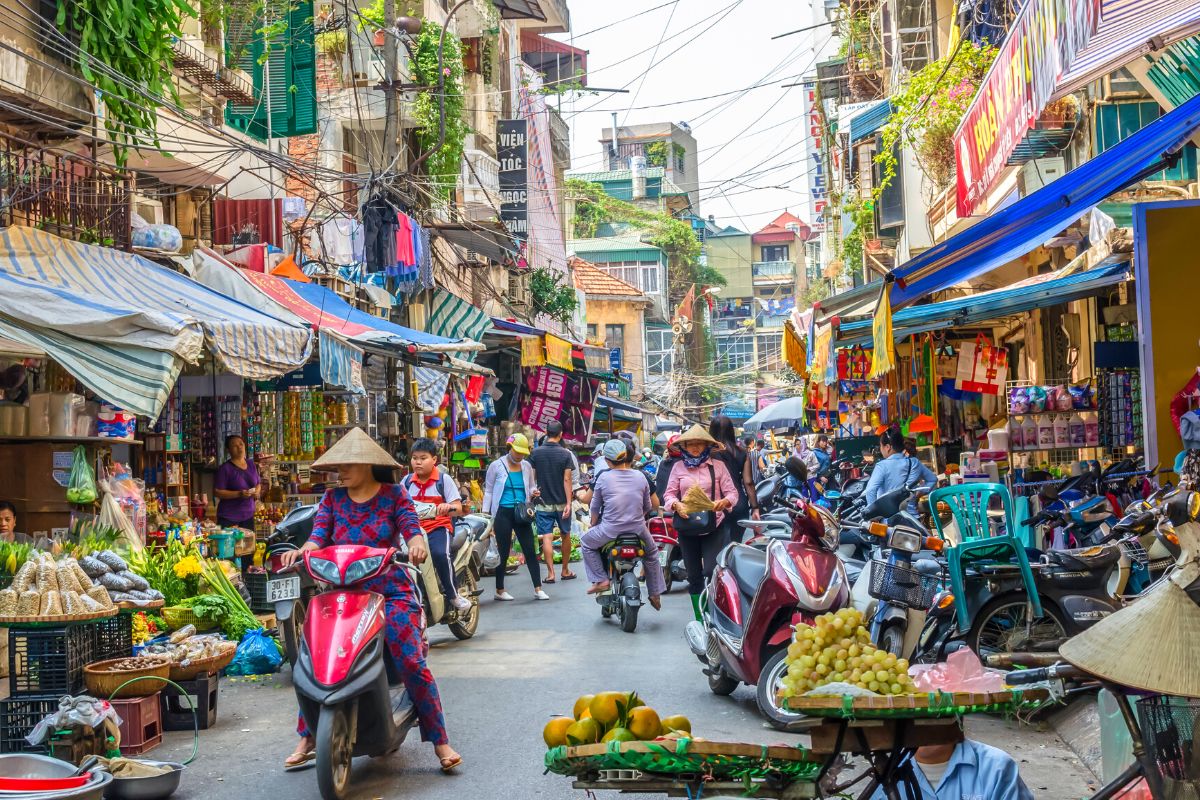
(124, 324)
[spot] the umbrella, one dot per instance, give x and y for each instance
(787, 413)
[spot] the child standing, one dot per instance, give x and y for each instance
(428, 484)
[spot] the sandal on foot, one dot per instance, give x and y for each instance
(450, 764)
(298, 760)
(569, 576)
(599, 587)
(548, 580)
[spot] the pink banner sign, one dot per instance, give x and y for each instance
(551, 395)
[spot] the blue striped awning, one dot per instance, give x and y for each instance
(1036, 292)
(869, 120)
(1033, 219)
(1128, 30)
(124, 324)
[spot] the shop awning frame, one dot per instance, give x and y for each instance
(1036, 292)
(1032, 220)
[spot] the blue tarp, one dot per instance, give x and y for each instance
(1023, 296)
(1036, 218)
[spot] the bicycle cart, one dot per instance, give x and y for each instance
(689, 768)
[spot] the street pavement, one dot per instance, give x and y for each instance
(528, 662)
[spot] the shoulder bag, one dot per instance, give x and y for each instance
(699, 523)
(523, 511)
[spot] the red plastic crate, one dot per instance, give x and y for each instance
(141, 723)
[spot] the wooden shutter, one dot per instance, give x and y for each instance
(290, 73)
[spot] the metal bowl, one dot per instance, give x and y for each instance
(155, 787)
(28, 765)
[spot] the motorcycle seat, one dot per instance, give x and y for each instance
(475, 526)
(1084, 558)
(748, 565)
(461, 536)
(625, 540)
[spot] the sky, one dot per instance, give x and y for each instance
(751, 145)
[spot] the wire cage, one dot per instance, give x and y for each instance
(1168, 727)
(897, 583)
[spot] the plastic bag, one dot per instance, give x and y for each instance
(82, 487)
(75, 712)
(257, 654)
(962, 671)
(112, 516)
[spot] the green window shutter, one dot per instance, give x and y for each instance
(1117, 121)
(289, 74)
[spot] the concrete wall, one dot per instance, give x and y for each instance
(731, 256)
(630, 314)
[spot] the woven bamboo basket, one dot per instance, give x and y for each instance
(101, 681)
(210, 665)
(731, 760)
(36, 620)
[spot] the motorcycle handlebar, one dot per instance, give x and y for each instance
(1055, 672)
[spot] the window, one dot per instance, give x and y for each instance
(592, 333)
(614, 337)
(660, 351)
(645, 275)
(735, 352)
(775, 252)
(1117, 121)
(770, 352)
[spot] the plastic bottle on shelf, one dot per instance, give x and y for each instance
(1029, 436)
(1091, 429)
(1016, 435)
(1062, 431)
(1045, 429)
(1077, 431)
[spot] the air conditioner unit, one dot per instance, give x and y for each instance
(148, 209)
(1037, 173)
(1121, 85)
(518, 290)
(478, 259)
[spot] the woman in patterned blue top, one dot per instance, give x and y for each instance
(366, 512)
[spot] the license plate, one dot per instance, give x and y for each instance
(662, 558)
(281, 589)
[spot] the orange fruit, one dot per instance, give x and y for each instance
(644, 723)
(555, 732)
(584, 731)
(677, 723)
(607, 707)
(619, 735)
(581, 706)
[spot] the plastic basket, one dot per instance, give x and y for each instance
(896, 583)
(224, 543)
(1169, 731)
(18, 716)
(179, 616)
(49, 661)
(256, 584)
(114, 637)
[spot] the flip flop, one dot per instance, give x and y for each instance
(569, 576)
(303, 760)
(549, 580)
(451, 764)
(604, 587)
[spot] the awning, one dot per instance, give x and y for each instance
(453, 317)
(1037, 292)
(520, 9)
(495, 244)
(869, 120)
(619, 409)
(124, 325)
(1129, 29)
(1032, 220)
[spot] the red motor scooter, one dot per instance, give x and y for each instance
(757, 595)
(343, 668)
(670, 556)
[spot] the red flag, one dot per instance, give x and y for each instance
(686, 307)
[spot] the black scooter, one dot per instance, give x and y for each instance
(623, 559)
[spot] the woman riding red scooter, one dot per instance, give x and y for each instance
(365, 511)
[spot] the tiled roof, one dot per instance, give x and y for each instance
(592, 280)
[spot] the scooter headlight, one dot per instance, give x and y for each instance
(324, 570)
(905, 539)
(361, 569)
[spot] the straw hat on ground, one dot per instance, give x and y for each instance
(697, 433)
(356, 447)
(1152, 645)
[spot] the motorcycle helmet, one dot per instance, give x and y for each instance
(796, 468)
(674, 437)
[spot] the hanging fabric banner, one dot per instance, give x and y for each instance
(341, 362)
(793, 351)
(883, 360)
(558, 353)
(982, 367)
(532, 351)
(549, 395)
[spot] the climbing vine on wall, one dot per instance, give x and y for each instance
(442, 167)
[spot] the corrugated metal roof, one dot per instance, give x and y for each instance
(605, 248)
(869, 120)
(1129, 29)
(614, 175)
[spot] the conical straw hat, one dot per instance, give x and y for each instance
(356, 447)
(1152, 645)
(697, 433)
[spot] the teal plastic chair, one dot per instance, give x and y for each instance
(969, 504)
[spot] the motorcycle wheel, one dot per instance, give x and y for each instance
(466, 623)
(891, 639)
(290, 631)
(335, 750)
(719, 683)
(629, 615)
(1000, 627)
(766, 692)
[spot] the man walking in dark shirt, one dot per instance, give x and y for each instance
(554, 465)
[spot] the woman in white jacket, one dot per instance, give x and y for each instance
(510, 487)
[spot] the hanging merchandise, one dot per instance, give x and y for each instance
(379, 234)
(558, 352)
(532, 351)
(883, 358)
(982, 367)
(81, 489)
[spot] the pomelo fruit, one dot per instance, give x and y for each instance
(584, 731)
(619, 735)
(581, 706)
(555, 732)
(644, 723)
(677, 723)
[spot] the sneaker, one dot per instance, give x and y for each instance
(461, 603)
(502, 595)
(540, 595)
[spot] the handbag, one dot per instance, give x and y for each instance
(523, 511)
(699, 523)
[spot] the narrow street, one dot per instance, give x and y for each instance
(529, 661)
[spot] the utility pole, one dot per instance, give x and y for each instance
(391, 139)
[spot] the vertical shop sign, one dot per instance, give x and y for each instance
(512, 151)
(1041, 45)
(818, 190)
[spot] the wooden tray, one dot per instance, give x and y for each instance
(150, 606)
(35, 620)
(680, 759)
(929, 704)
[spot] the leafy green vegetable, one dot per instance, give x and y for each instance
(240, 619)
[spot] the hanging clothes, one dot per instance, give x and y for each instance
(379, 234)
(404, 241)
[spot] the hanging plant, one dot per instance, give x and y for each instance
(443, 165)
(551, 296)
(133, 40)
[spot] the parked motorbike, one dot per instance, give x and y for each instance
(756, 596)
(343, 669)
(670, 554)
(289, 591)
(623, 559)
(468, 547)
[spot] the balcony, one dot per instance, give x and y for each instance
(773, 320)
(773, 271)
(560, 138)
(480, 180)
(206, 73)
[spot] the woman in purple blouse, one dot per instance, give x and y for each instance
(237, 486)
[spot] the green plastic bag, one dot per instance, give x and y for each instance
(82, 487)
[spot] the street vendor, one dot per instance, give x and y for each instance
(237, 486)
(8, 521)
(364, 511)
(968, 770)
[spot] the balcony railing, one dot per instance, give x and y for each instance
(481, 185)
(773, 269)
(202, 70)
(65, 194)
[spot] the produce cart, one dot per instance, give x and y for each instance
(886, 731)
(690, 768)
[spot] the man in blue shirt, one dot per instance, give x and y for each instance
(894, 471)
(966, 771)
